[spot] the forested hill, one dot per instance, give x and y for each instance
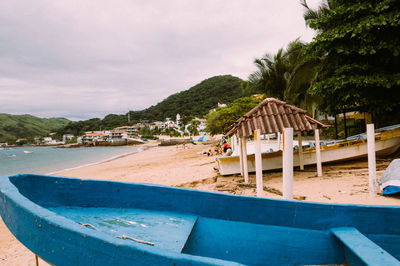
(196, 101)
(13, 127)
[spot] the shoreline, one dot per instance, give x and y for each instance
(38, 164)
(141, 149)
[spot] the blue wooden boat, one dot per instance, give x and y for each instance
(68, 221)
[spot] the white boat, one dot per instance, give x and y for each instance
(28, 152)
(387, 141)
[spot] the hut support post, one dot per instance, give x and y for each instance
(288, 163)
(259, 177)
(301, 161)
(233, 143)
(371, 159)
(318, 153)
(241, 156)
(244, 154)
(278, 136)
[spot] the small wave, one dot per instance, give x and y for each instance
(140, 149)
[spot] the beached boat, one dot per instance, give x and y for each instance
(68, 221)
(387, 141)
(171, 142)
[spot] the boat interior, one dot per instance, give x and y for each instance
(237, 229)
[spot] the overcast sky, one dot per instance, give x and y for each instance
(81, 59)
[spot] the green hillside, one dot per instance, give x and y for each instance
(13, 127)
(196, 101)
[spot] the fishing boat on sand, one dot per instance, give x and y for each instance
(387, 141)
(68, 221)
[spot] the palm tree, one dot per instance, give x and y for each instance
(193, 127)
(271, 77)
(287, 75)
(311, 14)
(301, 75)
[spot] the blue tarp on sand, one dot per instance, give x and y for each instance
(390, 181)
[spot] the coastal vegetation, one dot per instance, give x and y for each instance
(196, 101)
(358, 44)
(13, 127)
(223, 117)
(352, 64)
(286, 75)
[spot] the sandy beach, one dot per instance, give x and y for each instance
(176, 166)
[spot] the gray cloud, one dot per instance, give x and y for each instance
(83, 59)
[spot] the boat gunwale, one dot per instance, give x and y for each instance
(10, 190)
(199, 193)
(54, 219)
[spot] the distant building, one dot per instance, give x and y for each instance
(218, 105)
(21, 141)
(202, 125)
(37, 140)
(169, 124)
(67, 137)
(95, 136)
(115, 136)
(127, 131)
(49, 141)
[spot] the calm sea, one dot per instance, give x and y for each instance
(44, 160)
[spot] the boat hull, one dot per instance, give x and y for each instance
(44, 212)
(229, 165)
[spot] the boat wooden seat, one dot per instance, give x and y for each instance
(360, 250)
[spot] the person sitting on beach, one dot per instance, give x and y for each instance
(226, 146)
(218, 149)
(228, 152)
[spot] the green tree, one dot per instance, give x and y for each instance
(360, 65)
(186, 119)
(193, 128)
(271, 76)
(301, 74)
(223, 117)
(286, 75)
(172, 132)
(194, 102)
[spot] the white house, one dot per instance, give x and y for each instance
(67, 137)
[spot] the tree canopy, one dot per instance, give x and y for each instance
(13, 127)
(358, 43)
(78, 128)
(287, 75)
(223, 117)
(196, 101)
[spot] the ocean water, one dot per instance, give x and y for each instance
(47, 160)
